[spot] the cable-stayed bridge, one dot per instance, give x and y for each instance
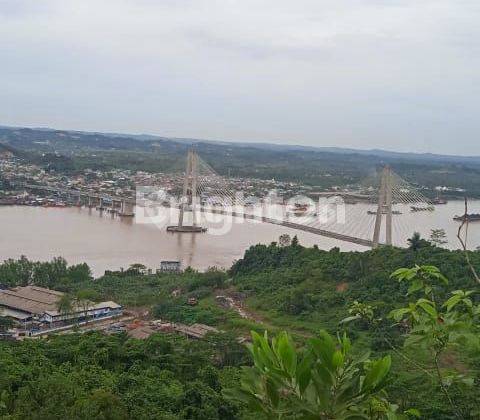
(375, 219)
(383, 213)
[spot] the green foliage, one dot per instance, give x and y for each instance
(423, 277)
(211, 279)
(51, 274)
(322, 381)
(360, 311)
(5, 323)
(433, 327)
(334, 284)
(302, 289)
(92, 376)
(178, 310)
(311, 285)
(438, 237)
(416, 242)
(65, 304)
(322, 168)
(438, 326)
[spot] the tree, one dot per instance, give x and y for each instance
(229, 352)
(5, 323)
(65, 305)
(295, 241)
(437, 325)
(79, 273)
(101, 404)
(84, 298)
(416, 242)
(137, 268)
(438, 237)
(284, 240)
(324, 381)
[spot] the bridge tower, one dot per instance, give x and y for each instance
(189, 199)
(384, 208)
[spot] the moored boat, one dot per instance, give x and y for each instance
(427, 208)
(474, 217)
(383, 212)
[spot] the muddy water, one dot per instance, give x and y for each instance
(106, 242)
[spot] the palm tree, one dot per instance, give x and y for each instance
(416, 242)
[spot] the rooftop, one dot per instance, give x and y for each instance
(32, 299)
(38, 300)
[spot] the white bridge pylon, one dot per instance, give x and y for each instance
(355, 216)
(378, 215)
(189, 199)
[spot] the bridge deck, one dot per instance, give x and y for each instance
(297, 226)
(291, 225)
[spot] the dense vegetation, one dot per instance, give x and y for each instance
(66, 151)
(311, 287)
(92, 376)
(307, 289)
(413, 318)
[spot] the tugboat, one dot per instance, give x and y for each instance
(474, 217)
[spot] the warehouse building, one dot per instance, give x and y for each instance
(38, 306)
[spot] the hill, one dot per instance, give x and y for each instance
(301, 290)
(319, 167)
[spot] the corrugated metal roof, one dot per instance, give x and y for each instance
(39, 300)
(31, 299)
(195, 330)
(92, 306)
(108, 304)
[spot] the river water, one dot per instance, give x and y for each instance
(107, 242)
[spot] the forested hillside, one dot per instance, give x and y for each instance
(69, 151)
(407, 318)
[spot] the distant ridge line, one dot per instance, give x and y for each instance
(381, 153)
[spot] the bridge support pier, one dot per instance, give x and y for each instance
(126, 209)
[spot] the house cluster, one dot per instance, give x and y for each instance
(124, 182)
(36, 309)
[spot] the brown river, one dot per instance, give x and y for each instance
(107, 242)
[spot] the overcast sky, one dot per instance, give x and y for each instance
(393, 74)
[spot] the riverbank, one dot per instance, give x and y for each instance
(107, 242)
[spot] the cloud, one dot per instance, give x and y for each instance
(370, 73)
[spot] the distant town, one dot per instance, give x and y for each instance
(122, 183)
(15, 172)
